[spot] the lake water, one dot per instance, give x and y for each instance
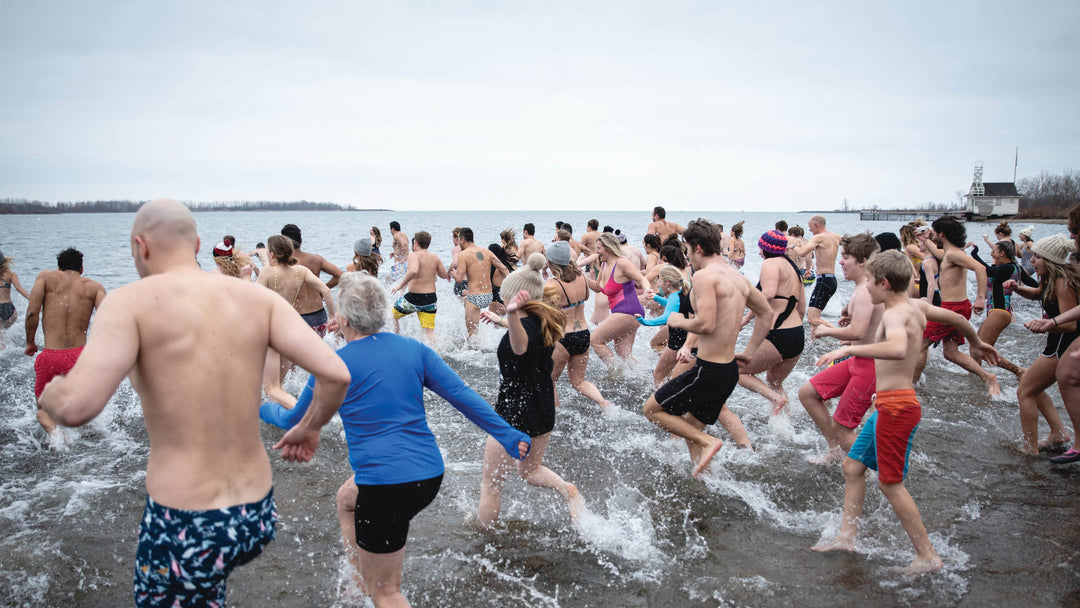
(1005, 525)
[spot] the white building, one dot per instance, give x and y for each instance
(991, 199)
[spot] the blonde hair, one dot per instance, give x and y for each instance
(369, 264)
(552, 320)
(1055, 271)
(5, 264)
(611, 243)
(566, 274)
(671, 275)
(893, 266)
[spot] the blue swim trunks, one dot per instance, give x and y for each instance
(184, 557)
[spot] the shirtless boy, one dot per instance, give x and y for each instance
(885, 441)
(661, 227)
(688, 403)
(399, 256)
(424, 266)
(474, 265)
(950, 235)
(851, 379)
(529, 244)
(193, 344)
(823, 245)
(588, 241)
(309, 299)
(63, 300)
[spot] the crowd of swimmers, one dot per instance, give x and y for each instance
(910, 292)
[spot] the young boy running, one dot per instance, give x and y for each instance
(851, 379)
(885, 441)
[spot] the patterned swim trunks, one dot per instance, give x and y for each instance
(184, 556)
(425, 305)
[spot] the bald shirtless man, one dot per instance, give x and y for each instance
(63, 300)
(661, 227)
(474, 265)
(687, 404)
(310, 301)
(424, 266)
(529, 243)
(193, 344)
(823, 245)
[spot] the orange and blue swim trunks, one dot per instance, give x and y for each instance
(884, 444)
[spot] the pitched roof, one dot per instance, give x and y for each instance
(1000, 189)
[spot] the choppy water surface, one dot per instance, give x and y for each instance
(1005, 525)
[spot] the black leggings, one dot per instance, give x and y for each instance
(383, 512)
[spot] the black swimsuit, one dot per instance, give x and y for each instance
(1056, 342)
(788, 342)
(575, 342)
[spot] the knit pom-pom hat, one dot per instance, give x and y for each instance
(527, 277)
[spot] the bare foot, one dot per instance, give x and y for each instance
(992, 384)
(574, 500)
(831, 456)
(779, 405)
(745, 446)
(922, 566)
(707, 457)
(1055, 441)
(840, 543)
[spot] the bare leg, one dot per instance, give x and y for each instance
(674, 424)
(813, 316)
(664, 365)
(1037, 379)
(346, 510)
(576, 373)
(926, 559)
(536, 474)
(819, 413)
(854, 496)
(659, 341)
(272, 380)
(953, 353)
(920, 365)
(614, 327)
(1068, 380)
(764, 359)
(775, 377)
(472, 318)
(382, 577)
(497, 463)
(996, 322)
(45, 421)
(732, 424)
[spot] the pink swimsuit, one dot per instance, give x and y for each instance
(622, 297)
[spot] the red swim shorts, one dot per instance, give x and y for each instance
(51, 363)
(854, 380)
(898, 415)
(938, 332)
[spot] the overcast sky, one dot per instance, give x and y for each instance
(578, 105)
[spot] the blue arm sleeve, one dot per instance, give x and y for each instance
(659, 299)
(440, 378)
(672, 306)
(280, 416)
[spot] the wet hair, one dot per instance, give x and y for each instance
(377, 234)
(703, 233)
(282, 248)
(860, 246)
(362, 301)
(652, 241)
(673, 255)
(529, 229)
(466, 233)
(659, 212)
(796, 231)
(395, 226)
(566, 274)
(608, 241)
(951, 229)
(70, 259)
(593, 224)
(293, 232)
(737, 229)
(893, 266)
(670, 274)
(502, 256)
(1003, 229)
(781, 226)
(422, 238)
(367, 263)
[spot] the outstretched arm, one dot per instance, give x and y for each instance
(18, 286)
(333, 271)
(33, 313)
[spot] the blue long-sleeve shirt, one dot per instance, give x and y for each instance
(383, 411)
(670, 304)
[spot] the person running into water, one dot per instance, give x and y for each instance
(497, 305)
(886, 439)
(690, 402)
(475, 266)
(8, 279)
(1058, 290)
(397, 466)
(567, 291)
(399, 254)
(853, 378)
(999, 303)
(736, 247)
(1024, 249)
(365, 258)
(674, 296)
(824, 245)
(193, 344)
(796, 241)
(376, 240)
(287, 278)
(529, 243)
(661, 227)
(510, 247)
(781, 284)
(421, 298)
(526, 393)
(950, 235)
(622, 280)
(459, 286)
(310, 298)
(63, 301)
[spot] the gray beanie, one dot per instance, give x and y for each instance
(1057, 248)
(527, 277)
(362, 246)
(559, 253)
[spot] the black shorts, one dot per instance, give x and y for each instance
(675, 338)
(823, 291)
(576, 342)
(383, 512)
(788, 342)
(460, 287)
(701, 391)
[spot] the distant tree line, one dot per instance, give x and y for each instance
(1049, 194)
(21, 206)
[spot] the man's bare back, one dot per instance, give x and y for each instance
(824, 247)
(528, 246)
(309, 299)
(475, 264)
(67, 300)
(424, 267)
